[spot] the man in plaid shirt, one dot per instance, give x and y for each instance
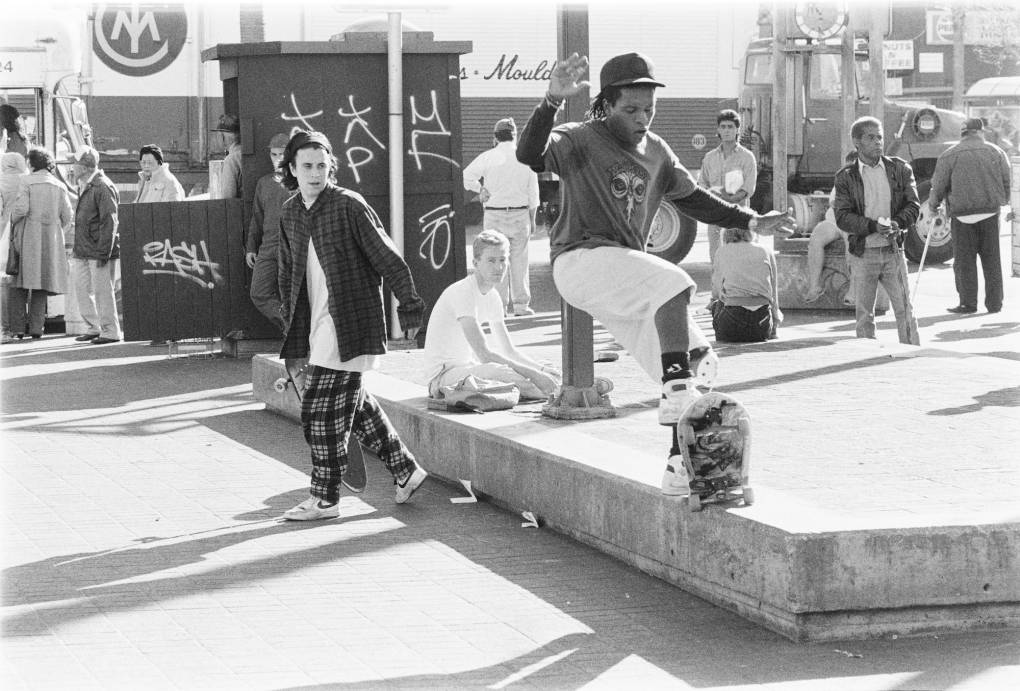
(333, 256)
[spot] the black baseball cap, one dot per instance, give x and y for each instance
(972, 125)
(628, 69)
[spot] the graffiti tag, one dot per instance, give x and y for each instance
(435, 226)
(183, 260)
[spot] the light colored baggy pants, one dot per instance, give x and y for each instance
(95, 287)
(515, 288)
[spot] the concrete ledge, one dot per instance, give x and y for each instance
(838, 579)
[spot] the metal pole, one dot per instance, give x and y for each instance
(876, 60)
(578, 399)
(780, 105)
(578, 329)
(395, 77)
(848, 87)
(959, 25)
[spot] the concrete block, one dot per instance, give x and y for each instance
(791, 262)
(787, 565)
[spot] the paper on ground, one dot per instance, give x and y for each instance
(465, 500)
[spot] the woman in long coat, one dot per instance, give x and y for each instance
(42, 215)
(12, 169)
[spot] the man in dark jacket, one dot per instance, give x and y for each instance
(334, 255)
(973, 178)
(875, 201)
(96, 249)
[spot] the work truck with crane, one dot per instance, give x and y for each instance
(815, 133)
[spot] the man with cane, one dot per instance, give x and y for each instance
(876, 200)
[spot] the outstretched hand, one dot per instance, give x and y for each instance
(565, 75)
(776, 222)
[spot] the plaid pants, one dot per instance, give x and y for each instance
(334, 406)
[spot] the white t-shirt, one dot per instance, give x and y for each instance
(324, 350)
(445, 343)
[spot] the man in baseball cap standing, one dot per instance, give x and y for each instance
(229, 127)
(614, 172)
(973, 177)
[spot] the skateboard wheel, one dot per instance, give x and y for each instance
(748, 496)
(280, 385)
(694, 502)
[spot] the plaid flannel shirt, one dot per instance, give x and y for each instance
(356, 255)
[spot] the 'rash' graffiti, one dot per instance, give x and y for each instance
(183, 261)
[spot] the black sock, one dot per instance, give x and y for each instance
(676, 365)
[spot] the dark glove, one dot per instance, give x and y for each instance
(411, 313)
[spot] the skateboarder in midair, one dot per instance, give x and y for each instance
(614, 172)
(333, 255)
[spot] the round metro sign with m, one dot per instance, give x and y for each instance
(139, 39)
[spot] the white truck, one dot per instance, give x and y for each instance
(40, 72)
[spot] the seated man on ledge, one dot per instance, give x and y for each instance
(456, 346)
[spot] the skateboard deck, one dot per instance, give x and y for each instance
(714, 436)
(355, 478)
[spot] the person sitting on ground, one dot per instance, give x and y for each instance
(745, 293)
(456, 346)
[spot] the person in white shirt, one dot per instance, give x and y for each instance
(455, 344)
(729, 171)
(508, 191)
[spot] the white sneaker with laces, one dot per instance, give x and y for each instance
(312, 509)
(412, 483)
(677, 396)
(675, 482)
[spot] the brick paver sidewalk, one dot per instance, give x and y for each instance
(142, 549)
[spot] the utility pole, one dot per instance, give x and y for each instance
(876, 58)
(959, 25)
(780, 108)
(848, 87)
(578, 399)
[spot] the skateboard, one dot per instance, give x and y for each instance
(355, 478)
(714, 438)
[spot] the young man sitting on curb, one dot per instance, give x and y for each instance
(456, 346)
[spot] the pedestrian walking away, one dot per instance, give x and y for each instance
(729, 171)
(40, 222)
(973, 178)
(614, 172)
(333, 256)
(12, 168)
(508, 191)
(875, 202)
(96, 249)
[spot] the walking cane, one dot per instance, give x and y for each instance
(924, 254)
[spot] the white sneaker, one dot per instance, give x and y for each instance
(312, 509)
(675, 482)
(677, 396)
(412, 483)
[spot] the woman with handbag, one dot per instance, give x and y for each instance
(41, 216)
(12, 168)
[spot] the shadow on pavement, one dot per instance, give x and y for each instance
(1003, 398)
